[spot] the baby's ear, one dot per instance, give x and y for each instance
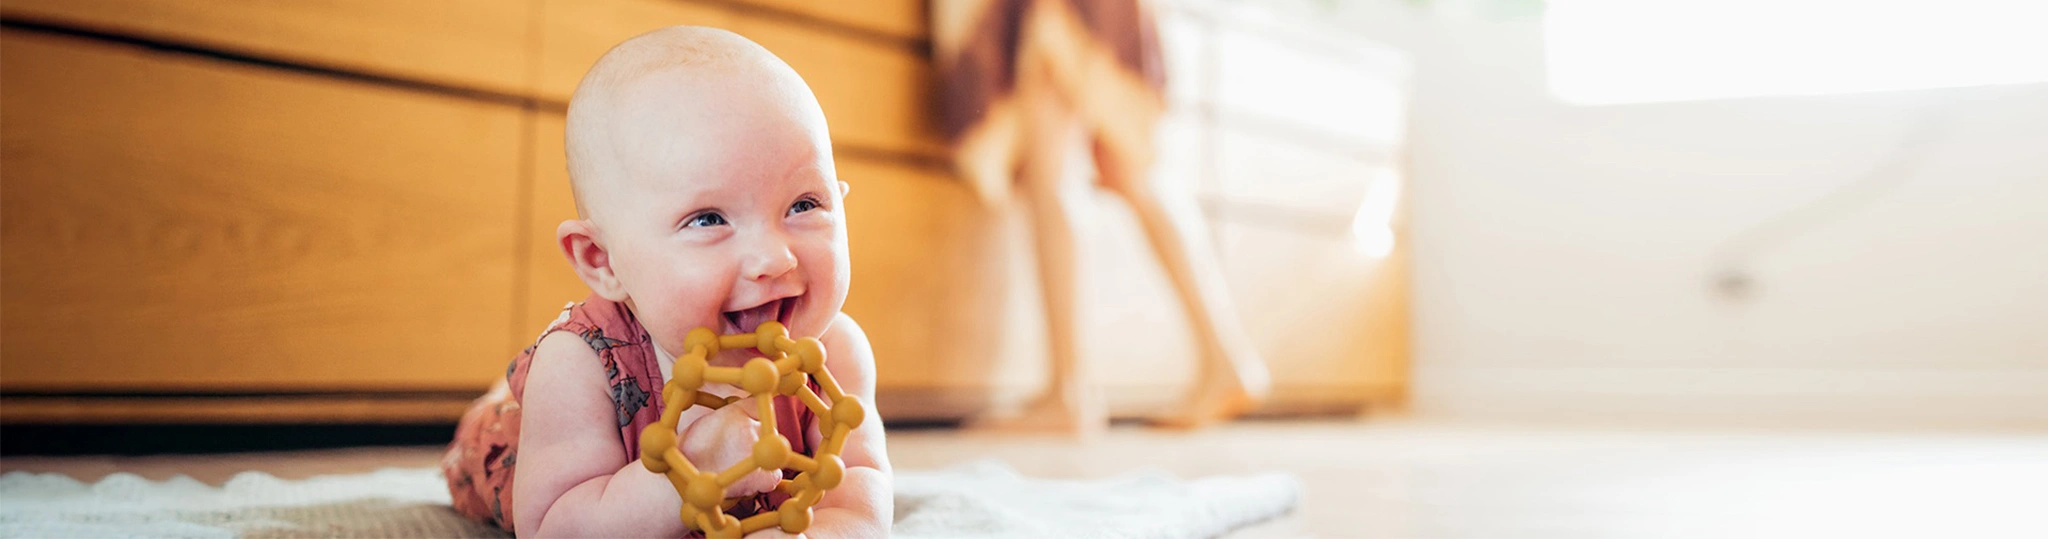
(844, 188)
(593, 264)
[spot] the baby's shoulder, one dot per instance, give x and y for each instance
(564, 359)
(847, 352)
(844, 333)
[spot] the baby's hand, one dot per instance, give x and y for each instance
(724, 437)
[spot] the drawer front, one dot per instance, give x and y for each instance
(876, 90)
(481, 44)
(177, 223)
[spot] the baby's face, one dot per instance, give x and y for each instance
(728, 211)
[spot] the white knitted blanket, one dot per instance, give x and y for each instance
(982, 499)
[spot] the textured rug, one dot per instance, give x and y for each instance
(981, 499)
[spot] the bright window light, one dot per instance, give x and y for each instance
(1373, 226)
(1633, 51)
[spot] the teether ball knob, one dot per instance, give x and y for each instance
(689, 375)
(760, 377)
(791, 383)
(771, 453)
(655, 442)
(830, 471)
(701, 337)
(704, 491)
(795, 518)
(811, 352)
(765, 336)
(847, 411)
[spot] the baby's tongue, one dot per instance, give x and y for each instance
(751, 319)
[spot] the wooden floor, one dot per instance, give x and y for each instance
(1423, 480)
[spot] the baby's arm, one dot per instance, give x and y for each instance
(862, 505)
(572, 475)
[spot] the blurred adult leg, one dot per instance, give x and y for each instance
(1073, 403)
(1232, 376)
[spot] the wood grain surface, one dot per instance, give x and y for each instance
(178, 223)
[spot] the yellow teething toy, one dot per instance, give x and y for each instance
(794, 362)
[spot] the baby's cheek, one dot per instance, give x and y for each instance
(685, 304)
(828, 278)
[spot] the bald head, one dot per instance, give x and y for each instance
(647, 101)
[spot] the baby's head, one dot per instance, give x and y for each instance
(705, 188)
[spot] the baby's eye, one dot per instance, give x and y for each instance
(803, 206)
(704, 219)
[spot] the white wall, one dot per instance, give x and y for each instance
(1563, 255)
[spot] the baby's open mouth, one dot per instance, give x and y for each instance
(746, 320)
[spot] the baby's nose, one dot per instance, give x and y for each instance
(772, 260)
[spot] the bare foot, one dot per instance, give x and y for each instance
(1208, 405)
(1047, 415)
(1221, 394)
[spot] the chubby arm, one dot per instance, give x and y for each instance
(573, 478)
(863, 504)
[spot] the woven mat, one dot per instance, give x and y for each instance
(981, 499)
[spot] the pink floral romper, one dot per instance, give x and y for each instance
(480, 461)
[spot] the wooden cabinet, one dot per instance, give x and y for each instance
(180, 223)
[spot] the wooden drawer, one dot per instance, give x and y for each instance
(176, 223)
(893, 18)
(480, 44)
(875, 89)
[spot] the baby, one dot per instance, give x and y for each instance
(704, 181)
